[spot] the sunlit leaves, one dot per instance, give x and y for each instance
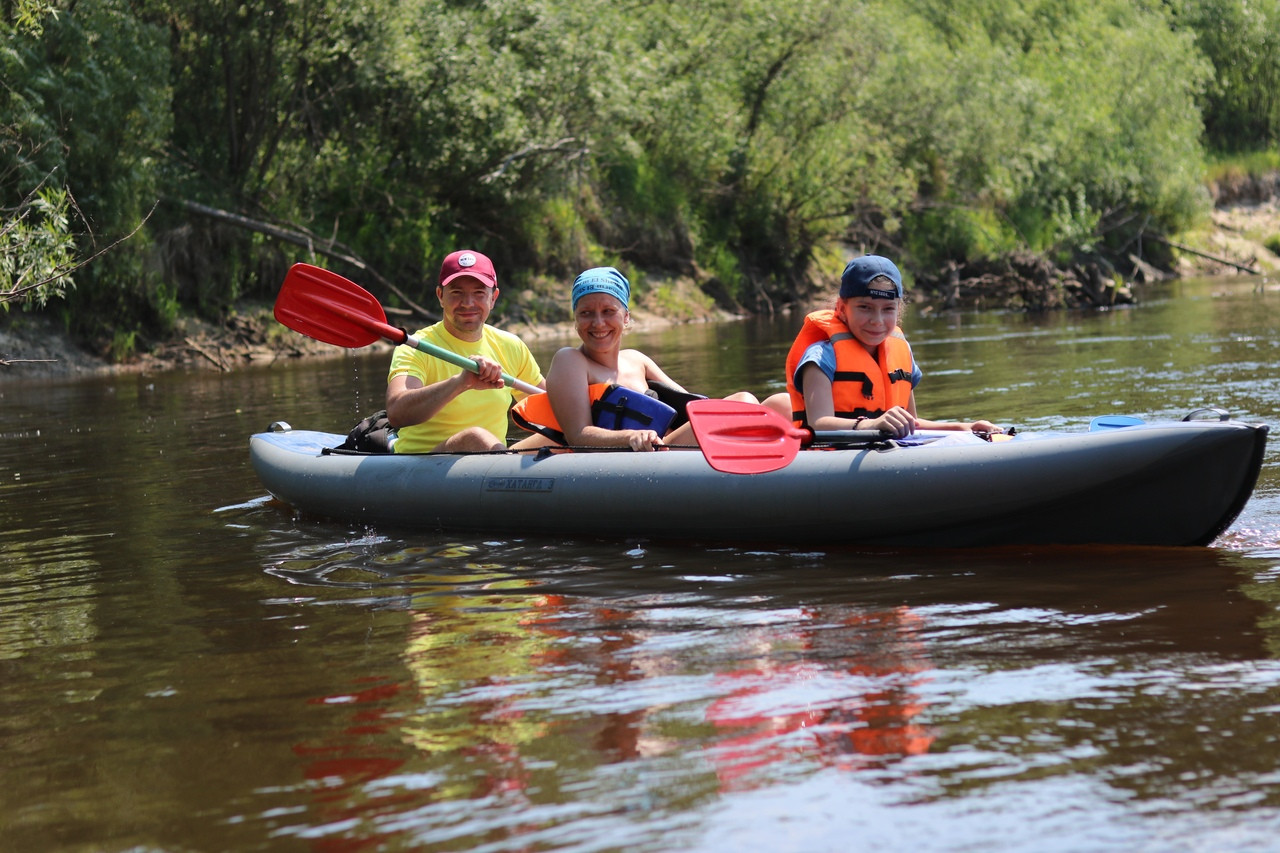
(1242, 39)
(733, 139)
(1057, 114)
(37, 250)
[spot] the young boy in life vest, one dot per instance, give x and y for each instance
(851, 368)
(599, 371)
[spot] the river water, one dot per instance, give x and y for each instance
(187, 666)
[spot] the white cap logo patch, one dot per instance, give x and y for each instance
(466, 260)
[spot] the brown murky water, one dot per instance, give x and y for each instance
(186, 666)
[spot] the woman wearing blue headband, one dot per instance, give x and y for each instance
(580, 378)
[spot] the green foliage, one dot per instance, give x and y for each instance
(27, 17)
(36, 250)
(740, 143)
(84, 111)
(722, 265)
(679, 303)
(555, 229)
(1242, 39)
(123, 344)
(768, 124)
(1228, 166)
(936, 235)
(1073, 120)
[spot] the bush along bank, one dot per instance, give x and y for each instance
(1241, 236)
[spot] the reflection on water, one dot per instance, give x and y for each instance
(597, 694)
(780, 710)
(187, 666)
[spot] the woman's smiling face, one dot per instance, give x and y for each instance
(600, 320)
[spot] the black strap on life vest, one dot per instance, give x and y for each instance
(615, 408)
(868, 387)
(611, 414)
(898, 375)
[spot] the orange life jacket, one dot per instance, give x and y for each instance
(863, 387)
(612, 407)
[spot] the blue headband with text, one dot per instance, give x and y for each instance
(602, 280)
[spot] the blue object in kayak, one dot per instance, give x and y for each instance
(1114, 422)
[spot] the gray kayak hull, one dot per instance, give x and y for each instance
(1176, 483)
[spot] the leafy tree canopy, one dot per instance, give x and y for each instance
(740, 141)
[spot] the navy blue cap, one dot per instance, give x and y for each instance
(859, 273)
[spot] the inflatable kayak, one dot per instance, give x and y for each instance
(1174, 483)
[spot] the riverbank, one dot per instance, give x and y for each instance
(34, 346)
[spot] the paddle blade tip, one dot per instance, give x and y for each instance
(325, 306)
(743, 438)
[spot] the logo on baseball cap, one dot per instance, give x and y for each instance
(864, 276)
(468, 263)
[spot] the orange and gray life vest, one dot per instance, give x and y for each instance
(612, 407)
(863, 387)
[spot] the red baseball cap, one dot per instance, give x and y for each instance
(469, 263)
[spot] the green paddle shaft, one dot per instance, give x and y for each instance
(465, 363)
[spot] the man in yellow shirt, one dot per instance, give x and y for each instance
(438, 406)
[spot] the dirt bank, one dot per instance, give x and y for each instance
(1240, 233)
(1238, 239)
(34, 346)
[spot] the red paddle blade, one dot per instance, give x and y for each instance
(743, 438)
(323, 305)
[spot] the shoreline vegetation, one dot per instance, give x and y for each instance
(1238, 240)
(162, 164)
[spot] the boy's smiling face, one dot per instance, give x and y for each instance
(870, 320)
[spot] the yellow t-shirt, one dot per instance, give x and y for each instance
(484, 408)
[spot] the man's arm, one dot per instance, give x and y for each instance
(410, 402)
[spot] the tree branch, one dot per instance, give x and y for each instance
(301, 238)
(1182, 248)
(13, 295)
(531, 151)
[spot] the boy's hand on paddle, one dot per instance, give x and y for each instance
(897, 421)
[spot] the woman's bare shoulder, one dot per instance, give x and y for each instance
(634, 356)
(568, 354)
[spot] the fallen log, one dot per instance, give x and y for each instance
(1183, 248)
(301, 238)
